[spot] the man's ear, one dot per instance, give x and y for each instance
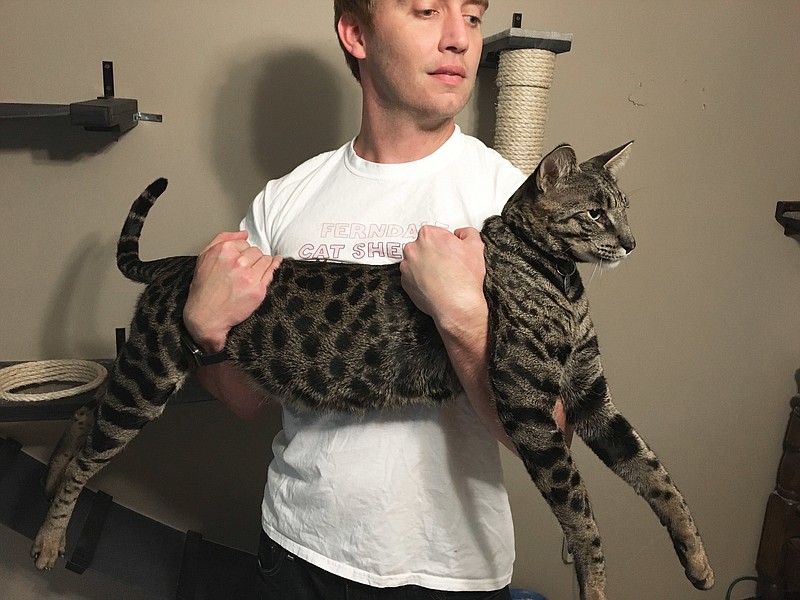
(351, 35)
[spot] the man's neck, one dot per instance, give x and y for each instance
(400, 142)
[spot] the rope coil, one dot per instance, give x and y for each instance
(87, 373)
(524, 78)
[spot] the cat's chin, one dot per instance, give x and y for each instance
(610, 264)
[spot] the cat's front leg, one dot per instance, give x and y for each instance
(50, 541)
(612, 438)
(71, 442)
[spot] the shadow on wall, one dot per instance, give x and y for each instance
(52, 138)
(78, 292)
(485, 101)
(292, 113)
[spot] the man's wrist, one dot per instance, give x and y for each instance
(201, 357)
(464, 324)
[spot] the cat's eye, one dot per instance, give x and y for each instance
(595, 214)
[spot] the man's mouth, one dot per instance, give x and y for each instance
(450, 72)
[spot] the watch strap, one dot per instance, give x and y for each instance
(202, 359)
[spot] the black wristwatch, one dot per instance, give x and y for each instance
(202, 360)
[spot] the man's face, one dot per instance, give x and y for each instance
(422, 55)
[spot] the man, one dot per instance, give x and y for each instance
(391, 505)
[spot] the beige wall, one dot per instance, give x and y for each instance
(699, 328)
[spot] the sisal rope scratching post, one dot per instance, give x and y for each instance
(525, 62)
(86, 374)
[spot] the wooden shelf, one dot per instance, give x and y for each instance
(63, 408)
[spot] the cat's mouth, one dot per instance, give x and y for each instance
(606, 258)
(609, 264)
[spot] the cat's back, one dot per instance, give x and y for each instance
(333, 335)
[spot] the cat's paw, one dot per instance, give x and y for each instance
(699, 572)
(47, 548)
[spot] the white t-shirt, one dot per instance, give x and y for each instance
(396, 497)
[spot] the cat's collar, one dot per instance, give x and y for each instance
(566, 268)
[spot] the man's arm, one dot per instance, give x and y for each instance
(230, 281)
(443, 274)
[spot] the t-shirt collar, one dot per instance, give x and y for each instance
(432, 163)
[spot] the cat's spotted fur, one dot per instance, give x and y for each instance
(343, 337)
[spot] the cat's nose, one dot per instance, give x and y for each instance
(629, 245)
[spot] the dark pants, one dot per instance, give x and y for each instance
(283, 576)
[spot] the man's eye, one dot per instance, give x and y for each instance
(473, 20)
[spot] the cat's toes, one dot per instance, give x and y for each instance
(704, 583)
(46, 550)
(699, 572)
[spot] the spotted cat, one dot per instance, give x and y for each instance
(345, 337)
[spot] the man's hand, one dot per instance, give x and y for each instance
(443, 274)
(230, 281)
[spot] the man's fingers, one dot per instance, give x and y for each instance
(249, 256)
(228, 236)
(266, 266)
(465, 233)
(270, 272)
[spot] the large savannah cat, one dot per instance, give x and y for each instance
(344, 337)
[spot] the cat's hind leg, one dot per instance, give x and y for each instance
(68, 446)
(136, 393)
(106, 439)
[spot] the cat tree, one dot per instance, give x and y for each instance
(525, 62)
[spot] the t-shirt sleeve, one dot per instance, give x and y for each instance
(509, 179)
(255, 222)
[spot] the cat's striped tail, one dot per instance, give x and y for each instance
(128, 260)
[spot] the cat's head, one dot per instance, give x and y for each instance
(575, 210)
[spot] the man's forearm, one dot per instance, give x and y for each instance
(230, 386)
(466, 342)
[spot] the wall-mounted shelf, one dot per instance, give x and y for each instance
(517, 38)
(104, 113)
(63, 408)
(788, 215)
(11, 110)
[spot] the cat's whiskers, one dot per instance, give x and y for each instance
(597, 267)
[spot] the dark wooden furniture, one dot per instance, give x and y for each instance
(778, 561)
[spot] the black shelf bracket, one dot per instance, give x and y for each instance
(84, 552)
(121, 544)
(788, 215)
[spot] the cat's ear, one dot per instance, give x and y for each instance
(613, 160)
(556, 165)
